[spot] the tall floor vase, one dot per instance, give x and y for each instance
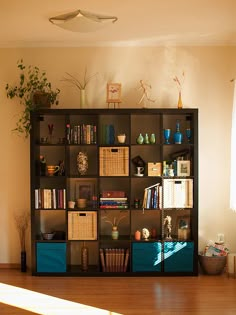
(23, 261)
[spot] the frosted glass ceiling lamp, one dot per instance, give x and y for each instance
(82, 21)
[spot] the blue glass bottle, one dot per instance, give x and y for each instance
(178, 136)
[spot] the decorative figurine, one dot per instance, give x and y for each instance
(167, 223)
(145, 87)
(145, 234)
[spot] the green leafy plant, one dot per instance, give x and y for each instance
(32, 81)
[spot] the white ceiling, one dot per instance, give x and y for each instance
(140, 22)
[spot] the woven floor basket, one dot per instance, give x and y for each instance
(212, 265)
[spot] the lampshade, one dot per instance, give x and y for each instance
(82, 21)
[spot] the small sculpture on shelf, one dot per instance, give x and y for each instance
(167, 223)
(82, 163)
(145, 234)
(145, 97)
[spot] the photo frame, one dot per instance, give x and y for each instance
(183, 221)
(113, 93)
(85, 190)
(183, 168)
(183, 227)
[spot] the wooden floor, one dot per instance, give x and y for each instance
(133, 295)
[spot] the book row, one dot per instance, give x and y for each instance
(50, 198)
(114, 259)
(81, 134)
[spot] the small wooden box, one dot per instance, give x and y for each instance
(154, 169)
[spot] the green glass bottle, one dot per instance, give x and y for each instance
(152, 138)
(140, 139)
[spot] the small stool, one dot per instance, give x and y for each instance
(231, 264)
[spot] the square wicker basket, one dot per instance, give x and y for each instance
(114, 161)
(82, 225)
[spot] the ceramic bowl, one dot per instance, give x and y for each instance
(48, 236)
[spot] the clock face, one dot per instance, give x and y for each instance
(113, 93)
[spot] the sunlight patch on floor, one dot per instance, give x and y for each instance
(44, 304)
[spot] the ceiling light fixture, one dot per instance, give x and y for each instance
(82, 21)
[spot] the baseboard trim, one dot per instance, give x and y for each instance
(9, 266)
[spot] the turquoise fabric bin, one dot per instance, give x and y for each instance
(178, 256)
(146, 256)
(51, 257)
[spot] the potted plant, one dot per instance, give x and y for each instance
(32, 87)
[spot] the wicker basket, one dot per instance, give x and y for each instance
(82, 225)
(114, 161)
(212, 265)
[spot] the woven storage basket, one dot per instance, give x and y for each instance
(82, 225)
(212, 265)
(114, 161)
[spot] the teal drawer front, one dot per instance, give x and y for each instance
(178, 256)
(146, 256)
(51, 257)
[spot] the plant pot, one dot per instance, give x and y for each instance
(41, 100)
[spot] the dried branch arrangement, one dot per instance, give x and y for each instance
(115, 221)
(179, 81)
(80, 84)
(22, 222)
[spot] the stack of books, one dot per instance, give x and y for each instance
(114, 259)
(113, 200)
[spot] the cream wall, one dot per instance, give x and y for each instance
(208, 71)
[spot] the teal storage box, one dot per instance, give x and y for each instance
(178, 256)
(146, 256)
(51, 257)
